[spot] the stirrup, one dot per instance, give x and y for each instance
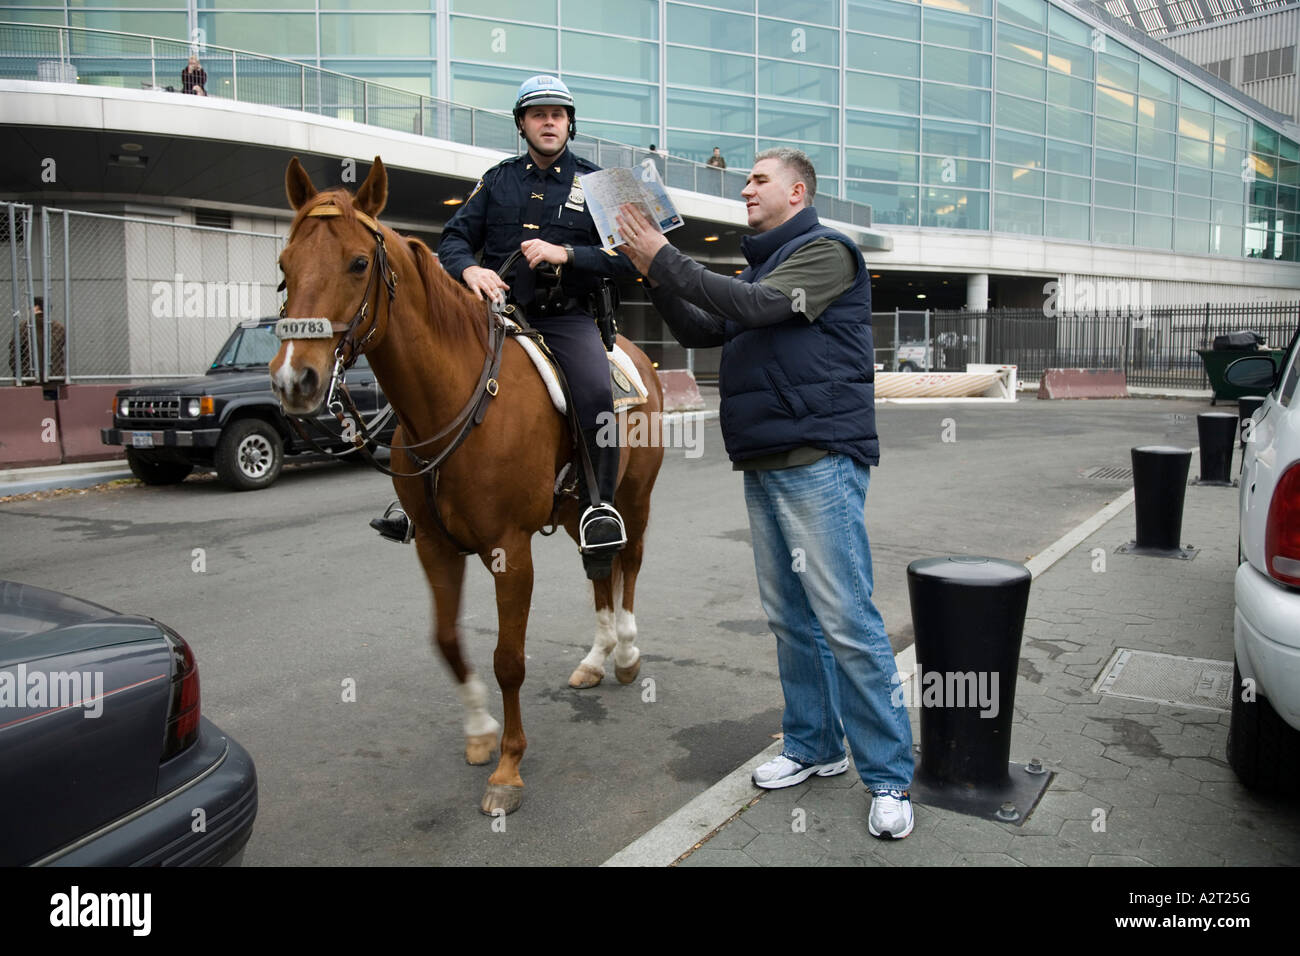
(386, 526)
(595, 513)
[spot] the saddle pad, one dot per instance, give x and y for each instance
(626, 386)
(625, 381)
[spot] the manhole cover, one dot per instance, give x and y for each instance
(1166, 679)
(1109, 473)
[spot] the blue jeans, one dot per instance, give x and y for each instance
(814, 579)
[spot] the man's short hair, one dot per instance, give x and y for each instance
(797, 161)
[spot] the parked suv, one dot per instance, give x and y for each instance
(227, 419)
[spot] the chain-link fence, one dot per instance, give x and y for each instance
(128, 298)
(21, 361)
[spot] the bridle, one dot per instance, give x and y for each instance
(350, 346)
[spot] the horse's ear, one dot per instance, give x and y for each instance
(297, 184)
(373, 194)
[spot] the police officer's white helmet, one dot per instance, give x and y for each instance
(544, 90)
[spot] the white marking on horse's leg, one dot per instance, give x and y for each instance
(627, 653)
(284, 377)
(604, 643)
(473, 697)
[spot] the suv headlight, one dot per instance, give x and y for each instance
(124, 407)
(192, 408)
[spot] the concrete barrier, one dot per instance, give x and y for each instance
(681, 394)
(1082, 383)
(29, 432)
(35, 430)
(83, 411)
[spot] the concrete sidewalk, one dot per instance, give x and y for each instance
(1135, 782)
(21, 481)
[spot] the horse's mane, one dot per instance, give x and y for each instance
(448, 304)
(444, 294)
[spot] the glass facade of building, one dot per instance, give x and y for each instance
(1010, 116)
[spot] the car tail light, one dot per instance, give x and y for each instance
(1282, 532)
(183, 709)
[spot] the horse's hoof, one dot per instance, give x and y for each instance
(626, 675)
(584, 677)
(501, 798)
(479, 747)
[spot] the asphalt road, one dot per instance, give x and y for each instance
(297, 595)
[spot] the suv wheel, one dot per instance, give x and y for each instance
(909, 367)
(249, 455)
(1263, 750)
(157, 471)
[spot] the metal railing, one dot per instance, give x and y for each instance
(133, 61)
(1155, 348)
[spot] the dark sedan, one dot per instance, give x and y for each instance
(105, 757)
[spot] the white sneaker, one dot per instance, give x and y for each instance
(783, 772)
(891, 814)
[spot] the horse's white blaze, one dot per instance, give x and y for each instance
(627, 652)
(473, 697)
(284, 375)
(606, 639)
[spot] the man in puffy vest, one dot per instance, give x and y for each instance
(798, 419)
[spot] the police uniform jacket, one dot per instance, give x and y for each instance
(503, 211)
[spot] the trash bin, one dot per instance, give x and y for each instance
(1216, 362)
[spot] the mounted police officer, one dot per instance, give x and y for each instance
(533, 204)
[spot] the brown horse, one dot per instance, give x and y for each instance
(427, 339)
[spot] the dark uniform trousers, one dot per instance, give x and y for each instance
(575, 341)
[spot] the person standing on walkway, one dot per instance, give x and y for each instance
(798, 419)
(716, 159)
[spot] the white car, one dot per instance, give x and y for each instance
(1264, 735)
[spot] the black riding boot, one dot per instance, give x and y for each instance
(601, 533)
(394, 525)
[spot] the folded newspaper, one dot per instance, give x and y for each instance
(607, 189)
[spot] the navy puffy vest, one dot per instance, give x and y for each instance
(799, 383)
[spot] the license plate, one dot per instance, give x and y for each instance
(304, 329)
(142, 439)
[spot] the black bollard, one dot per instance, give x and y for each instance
(1218, 433)
(1247, 405)
(1159, 486)
(968, 614)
